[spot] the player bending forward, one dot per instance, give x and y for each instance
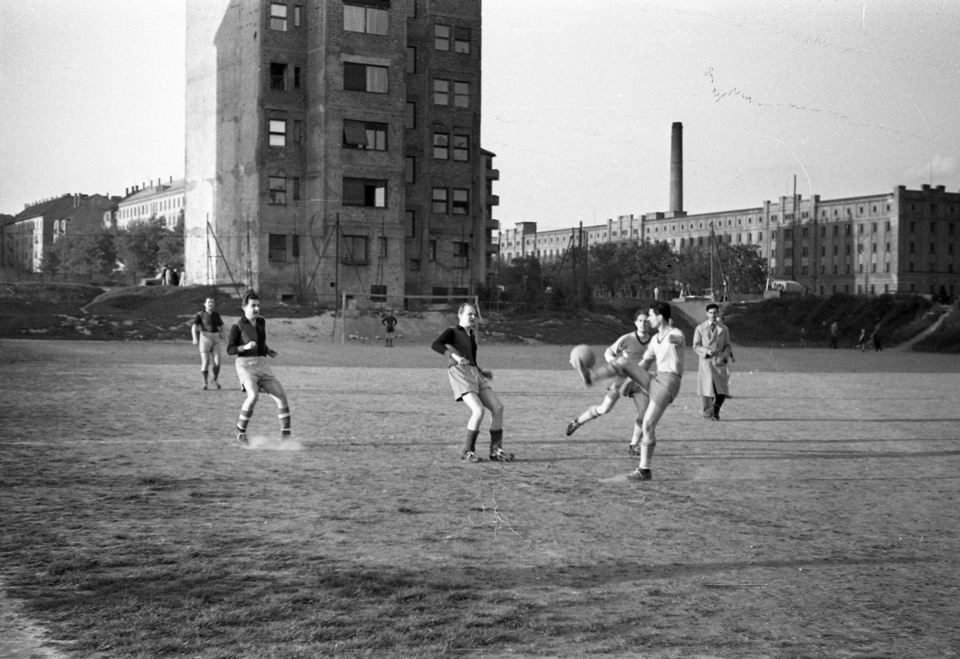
(666, 351)
(631, 346)
(248, 341)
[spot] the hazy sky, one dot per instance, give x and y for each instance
(578, 100)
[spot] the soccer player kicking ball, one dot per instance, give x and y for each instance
(666, 350)
(248, 341)
(631, 346)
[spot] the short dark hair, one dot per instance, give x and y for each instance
(641, 312)
(249, 295)
(661, 309)
(713, 305)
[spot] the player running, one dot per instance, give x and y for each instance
(207, 332)
(248, 341)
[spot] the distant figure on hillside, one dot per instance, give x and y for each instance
(876, 339)
(803, 337)
(834, 334)
(389, 322)
(862, 339)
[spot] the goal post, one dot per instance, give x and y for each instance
(362, 320)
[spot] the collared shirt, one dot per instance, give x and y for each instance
(243, 332)
(667, 351)
(630, 345)
(464, 343)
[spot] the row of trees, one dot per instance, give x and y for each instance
(139, 250)
(633, 270)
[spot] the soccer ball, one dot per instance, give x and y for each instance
(582, 354)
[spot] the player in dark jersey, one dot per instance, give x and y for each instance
(248, 341)
(207, 332)
(471, 384)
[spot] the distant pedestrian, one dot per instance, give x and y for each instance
(862, 339)
(834, 334)
(877, 339)
(803, 337)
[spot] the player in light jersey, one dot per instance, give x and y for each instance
(666, 351)
(632, 346)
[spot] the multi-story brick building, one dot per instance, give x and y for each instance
(164, 201)
(904, 241)
(334, 148)
(39, 225)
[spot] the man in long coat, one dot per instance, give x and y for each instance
(711, 341)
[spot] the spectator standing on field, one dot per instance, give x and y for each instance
(711, 341)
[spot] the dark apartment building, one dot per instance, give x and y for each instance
(333, 149)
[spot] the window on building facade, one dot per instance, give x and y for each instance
(296, 77)
(441, 92)
(278, 76)
(365, 78)
(278, 17)
(461, 148)
(439, 203)
(295, 250)
(378, 293)
(410, 115)
(461, 201)
(278, 132)
(297, 15)
(461, 254)
(461, 40)
(277, 248)
(277, 190)
(364, 192)
(432, 256)
(360, 18)
(441, 37)
(441, 146)
(461, 94)
(411, 217)
(364, 135)
(295, 185)
(354, 250)
(411, 60)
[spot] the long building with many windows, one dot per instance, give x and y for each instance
(333, 148)
(904, 241)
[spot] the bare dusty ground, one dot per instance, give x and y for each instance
(819, 518)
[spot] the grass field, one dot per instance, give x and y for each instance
(820, 518)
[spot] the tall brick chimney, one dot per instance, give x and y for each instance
(676, 168)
